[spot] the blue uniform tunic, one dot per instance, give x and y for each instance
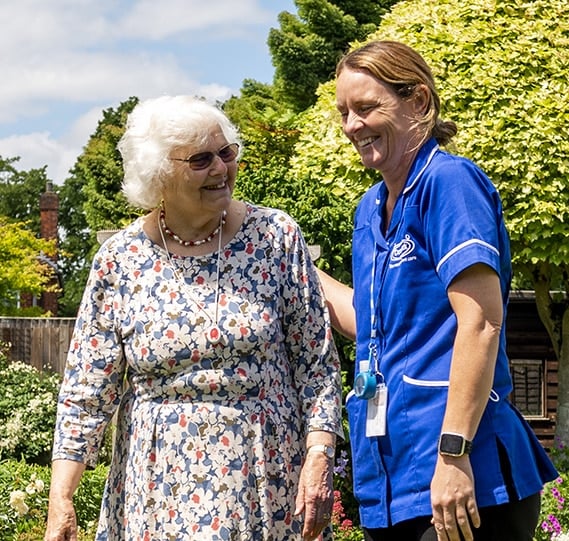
(447, 218)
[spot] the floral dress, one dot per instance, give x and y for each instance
(209, 436)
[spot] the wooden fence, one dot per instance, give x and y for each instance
(40, 342)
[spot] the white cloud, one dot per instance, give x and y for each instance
(64, 61)
(157, 20)
(36, 150)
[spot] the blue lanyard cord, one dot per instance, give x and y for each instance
(373, 356)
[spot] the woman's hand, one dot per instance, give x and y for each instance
(452, 499)
(315, 494)
(61, 521)
(61, 518)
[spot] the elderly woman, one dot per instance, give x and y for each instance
(439, 451)
(204, 328)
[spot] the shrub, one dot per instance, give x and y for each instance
(24, 490)
(28, 402)
(554, 518)
(344, 529)
(23, 497)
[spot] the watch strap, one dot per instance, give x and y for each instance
(328, 450)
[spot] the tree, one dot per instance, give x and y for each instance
(502, 70)
(22, 267)
(20, 193)
(91, 199)
(100, 170)
(306, 48)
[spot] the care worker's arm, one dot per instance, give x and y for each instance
(61, 520)
(476, 298)
(339, 298)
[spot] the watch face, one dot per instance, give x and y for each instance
(330, 452)
(452, 444)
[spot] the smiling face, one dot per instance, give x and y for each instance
(209, 189)
(380, 124)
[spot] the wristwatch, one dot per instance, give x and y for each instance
(329, 451)
(454, 445)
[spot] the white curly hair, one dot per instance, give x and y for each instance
(153, 129)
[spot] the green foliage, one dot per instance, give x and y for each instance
(99, 171)
(75, 244)
(20, 193)
(323, 152)
(502, 69)
(28, 402)
(345, 516)
(253, 109)
(91, 199)
(23, 497)
(87, 498)
(21, 266)
(24, 490)
(306, 48)
(505, 100)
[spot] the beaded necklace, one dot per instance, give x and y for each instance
(171, 234)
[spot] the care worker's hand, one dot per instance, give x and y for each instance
(315, 496)
(453, 499)
(61, 521)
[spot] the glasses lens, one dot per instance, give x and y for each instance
(201, 160)
(228, 153)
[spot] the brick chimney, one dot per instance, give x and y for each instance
(49, 211)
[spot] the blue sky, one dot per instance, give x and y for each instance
(64, 61)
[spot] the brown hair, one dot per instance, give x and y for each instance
(401, 68)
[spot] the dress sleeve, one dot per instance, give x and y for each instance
(94, 373)
(309, 341)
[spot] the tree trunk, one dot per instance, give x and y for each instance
(556, 322)
(562, 426)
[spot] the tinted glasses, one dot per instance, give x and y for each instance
(202, 160)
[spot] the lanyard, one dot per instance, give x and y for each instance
(373, 356)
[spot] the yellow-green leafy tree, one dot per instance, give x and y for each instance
(23, 265)
(502, 69)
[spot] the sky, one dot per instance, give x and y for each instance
(64, 61)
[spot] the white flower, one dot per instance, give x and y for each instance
(40, 485)
(35, 485)
(561, 537)
(18, 502)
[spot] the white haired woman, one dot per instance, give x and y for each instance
(203, 326)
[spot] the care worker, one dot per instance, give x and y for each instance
(439, 452)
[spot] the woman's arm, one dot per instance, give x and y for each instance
(61, 520)
(315, 496)
(476, 299)
(339, 299)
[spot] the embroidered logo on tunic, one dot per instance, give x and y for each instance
(402, 251)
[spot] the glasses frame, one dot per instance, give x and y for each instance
(209, 156)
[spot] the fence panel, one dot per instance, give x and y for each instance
(40, 342)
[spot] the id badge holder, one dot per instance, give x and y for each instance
(376, 418)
